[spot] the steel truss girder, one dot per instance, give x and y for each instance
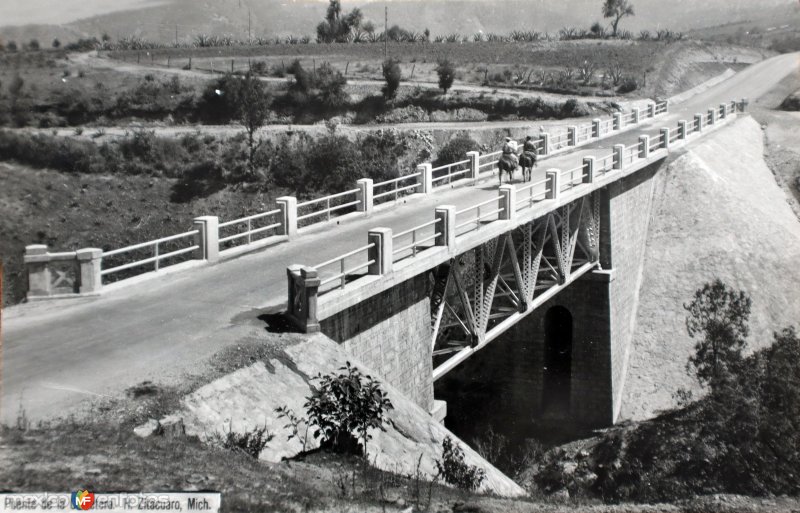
(484, 291)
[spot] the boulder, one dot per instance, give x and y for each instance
(149, 428)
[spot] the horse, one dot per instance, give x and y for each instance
(527, 161)
(508, 163)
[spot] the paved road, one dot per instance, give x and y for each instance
(58, 353)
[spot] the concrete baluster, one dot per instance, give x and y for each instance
(545, 144)
(665, 135)
(446, 227)
(683, 129)
(651, 110)
(617, 121)
(698, 120)
(288, 208)
(588, 169)
(644, 146)
(712, 117)
(572, 135)
(425, 178)
(508, 202)
(365, 195)
(596, 127)
(303, 292)
(474, 163)
(207, 238)
(636, 115)
(619, 152)
(553, 185)
(37, 264)
(90, 261)
(381, 251)
(723, 111)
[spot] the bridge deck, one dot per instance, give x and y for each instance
(57, 353)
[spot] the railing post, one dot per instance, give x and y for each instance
(474, 161)
(683, 129)
(545, 144)
(651, 110)
(381, 250)
(303, 290)
(712, 117)
(617, 121)
(288, 207)
(665, 135)
(508, 202)
(90, 261)
(208, 238)
(572, 135)
(37, 265)
(698, 119)
(723, 111)
(666, 106)
(446, 226)
(425, 178)
(596, 127)
(588, 167)
(644, 146)
(619, 152)
(365, 195)
(552, 184)
(636, 115)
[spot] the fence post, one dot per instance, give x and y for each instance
(90, 261)
(665, 135)
(381, 251)
(208, 238)
(36, 263)
(683, 128)
(552, 186)
(723, 111)
(288, 207)
(365, 195)
(636, 115)
(303, 290)
(712, 117)
(425, 177)
(588, 166)
(698, 119)
(651, 110)
(619, 152)
(474, 161)
(666, 106)
(446, 226)
(508, 202)
(572, 133)
(644, 146)
(596, 128)
(617, 121)
(545, 143)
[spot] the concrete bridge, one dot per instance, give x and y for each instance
(450, 272)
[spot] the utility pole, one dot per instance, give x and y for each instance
(176, 35)
(249, 34)
(385, 31)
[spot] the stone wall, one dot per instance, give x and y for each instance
(391, 332)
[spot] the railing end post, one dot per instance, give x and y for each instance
(207, 237)
(303, 285)
(552, 186)
(90, 261)
(37, 266)
(288, 208)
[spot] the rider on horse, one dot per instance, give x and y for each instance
(510, 152)
(529, 148)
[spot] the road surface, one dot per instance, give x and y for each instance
(58, 353)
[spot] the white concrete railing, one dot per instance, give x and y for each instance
(340, 262)
(213, 238)
(420, 240)
(506, 205)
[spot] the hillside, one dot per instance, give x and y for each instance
(719, 214)
(159, 19)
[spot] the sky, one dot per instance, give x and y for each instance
(23, 12)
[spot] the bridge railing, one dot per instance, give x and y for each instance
(212, 239)
(455, 224)
(338, 269)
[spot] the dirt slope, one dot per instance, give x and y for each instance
(719, 213)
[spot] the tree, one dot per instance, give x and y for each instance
(253, 109)
(617, 9)
(718, 315)
(392, 75)
(330, 82)
(337, 28)
(33, 45)
(446, 73)
(56, 43)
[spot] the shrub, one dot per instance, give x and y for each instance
(346, 405)
(446, 73)
(455, 150)
(249, 442)
(455, 471)
(392, 75)
(628, 85)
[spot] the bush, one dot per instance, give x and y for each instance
(344, 407)
(455, 471)
(628, 85)
(455, 150)
(249, 442)
(392, 75)
(446, 73)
